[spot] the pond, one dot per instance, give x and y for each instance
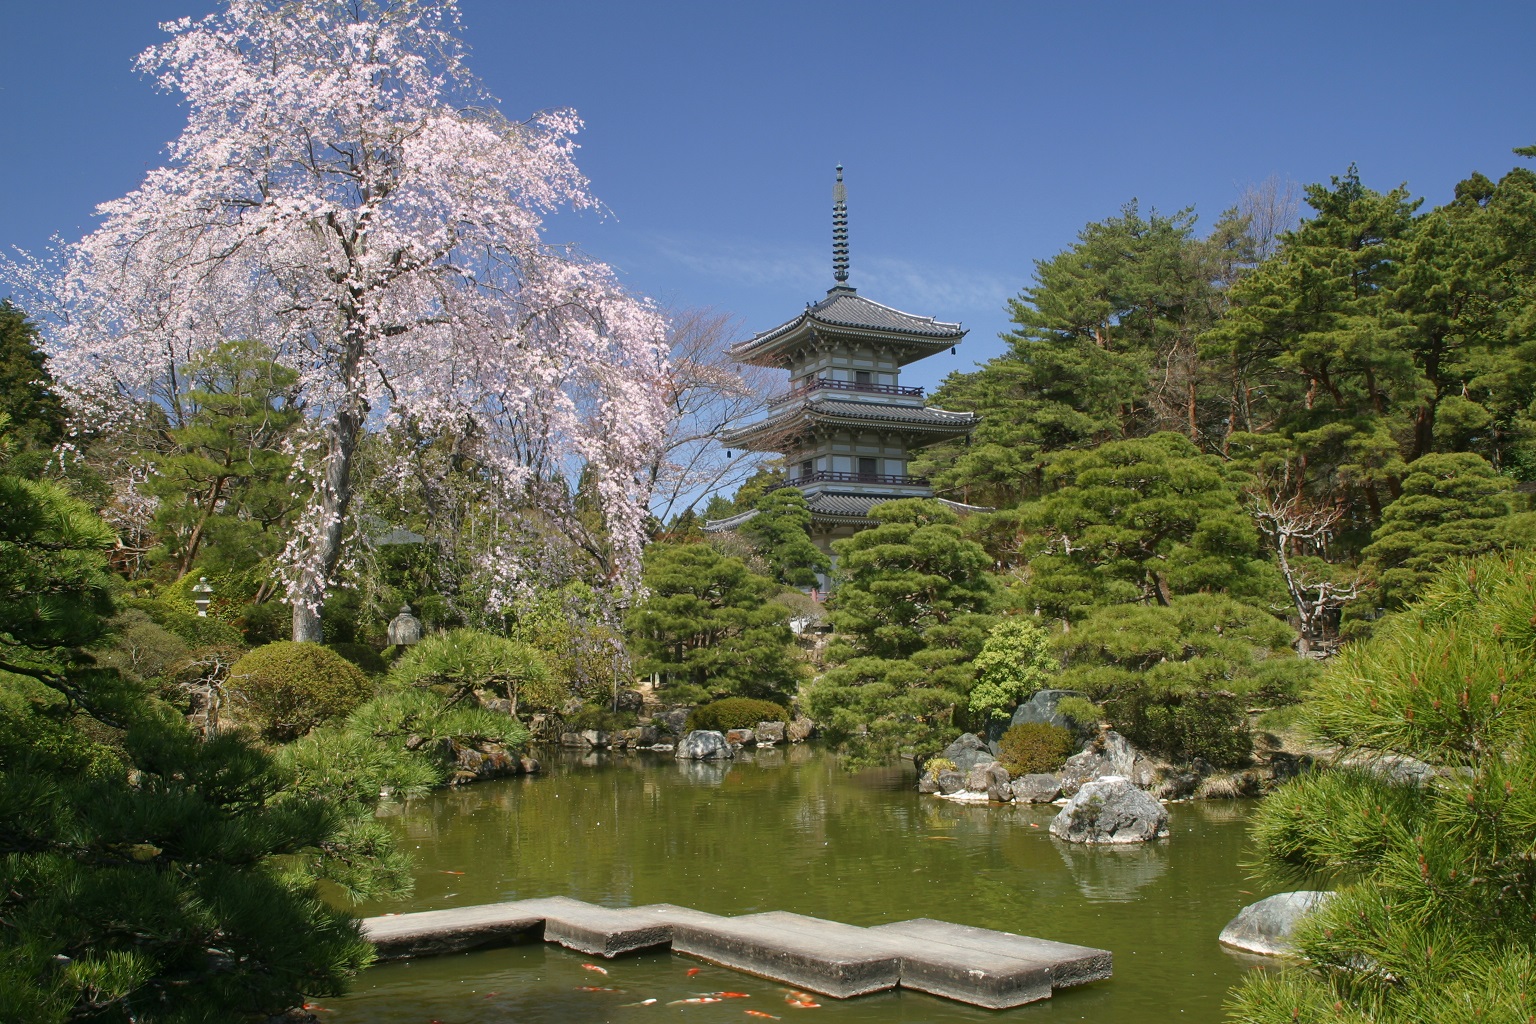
(790, 830)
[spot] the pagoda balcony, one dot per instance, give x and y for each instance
(827, 384)
(836, 477)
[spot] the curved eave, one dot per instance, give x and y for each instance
(729, 523)
(766, 435)
(773, 349)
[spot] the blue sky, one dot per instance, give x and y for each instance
(977, 137)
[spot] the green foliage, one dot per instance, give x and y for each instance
(709, 622)
(936, 766)
(1177, 679)
(287, 688)
(1015, 661)
(1451, 507)
(572, 631)
(735, 713)
(781, 533)
(1080, 711)
(470, 659)
(1143, 520)
(223, 475)
(1034, 747)
(1434, 884)
(27, 393)
(913, 608)
(600, 718)
(363, 656)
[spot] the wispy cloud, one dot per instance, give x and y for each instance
(918, 287)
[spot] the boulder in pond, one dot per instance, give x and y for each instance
(769, 732)
(673, 721)
(741, 737)
(1110, 810)
(595, 737)
(800, 729)
(573, 739)
(1039, 708)
(1035, 789)
(967, 752)
(950, 782)
(990, 778)
(703, 745)
(1265, 927)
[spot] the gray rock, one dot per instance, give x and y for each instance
(704, 745)
(740, 737)
(800, 729)
(1265, 927)
(1106, 754)
(978, 778)
(1035, 789)
(927, 784)
(529, 765)
(967, 752)
(631, 701)
(1177, 784)
(574, 739)
(1110, 810)
(638, 736)
(595, 737)
(1039, 708)
(770, 732)
(950, 782)
(999, 788)
(672, 721)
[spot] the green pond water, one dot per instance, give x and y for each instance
(790, 830)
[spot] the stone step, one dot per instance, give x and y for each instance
(435, 932)
(1069, 965)
(979, 966)
(833, 959)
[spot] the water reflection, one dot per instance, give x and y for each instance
(789, 829)
(1106, 873)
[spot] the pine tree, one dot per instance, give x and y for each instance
(781, 532)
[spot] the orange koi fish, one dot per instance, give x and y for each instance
(803, 1004)
(317, 1008)
(450, 872)
(760, 1013)
(695, 1000)
(693, 970)
(597, 988)
(594, 967)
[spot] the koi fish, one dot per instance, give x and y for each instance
(801, 1004)
(693, 970)
(695, 1000)
(727, 995)
(947, 839)
(597, 988)
(450, 872)
(760, 1013)
(594, 967)
(643, 1002)
(317, 1008)
(793, 993)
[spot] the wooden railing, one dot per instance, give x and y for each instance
(826, 384)
(835, 477)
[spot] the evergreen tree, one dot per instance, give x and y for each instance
(1452, 506)
(1014, 662)
(781, 532)
(1435, 892)
(144, 875)
(1138, 521)
(26, 389)
(710, 624)
(912, 607)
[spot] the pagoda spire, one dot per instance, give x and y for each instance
(840, 229)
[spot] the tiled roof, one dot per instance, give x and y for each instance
(845, 308)
(817, 409)
(841, 507)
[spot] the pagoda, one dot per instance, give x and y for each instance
(846, 425)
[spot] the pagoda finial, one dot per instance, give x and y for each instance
(840, 229)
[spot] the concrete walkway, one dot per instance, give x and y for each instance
(979, 966)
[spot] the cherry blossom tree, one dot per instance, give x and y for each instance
(346, 194)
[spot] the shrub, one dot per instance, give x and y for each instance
(936, 766)
(1083, 713)
(363, 656)
(1034, 747)
(288, 688)
(472, 659)
(735, 713)
(1208, 724)
(265, 623)
(603, 720)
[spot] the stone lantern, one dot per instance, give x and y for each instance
(405, 628)
(202, 596)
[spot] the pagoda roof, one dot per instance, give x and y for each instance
(845, 312)
(839, 508)
(817, 409)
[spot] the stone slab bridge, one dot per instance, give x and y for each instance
(978, 966)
